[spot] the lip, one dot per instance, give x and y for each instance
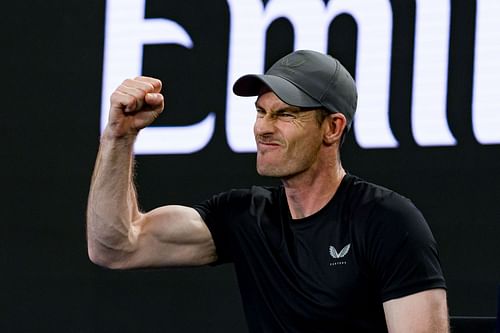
(263, 145)
(268, 143)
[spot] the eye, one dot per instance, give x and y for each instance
(260, 113)
(286, 114)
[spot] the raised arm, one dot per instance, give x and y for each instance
(118, 234)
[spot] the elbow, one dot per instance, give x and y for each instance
(96, 258)
(109, 251)
(104, 258)
(100, 259)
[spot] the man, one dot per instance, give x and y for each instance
(324, 252)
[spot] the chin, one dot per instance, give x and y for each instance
(267, 171)
(271, 171)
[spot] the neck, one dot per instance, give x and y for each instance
(309, 192)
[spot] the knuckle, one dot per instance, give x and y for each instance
(152, 83)
(127, 82)
(158, 83)
(115, 96)
(148, 86)
(120, 99)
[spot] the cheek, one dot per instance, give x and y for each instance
(308, 141)
(308, 146)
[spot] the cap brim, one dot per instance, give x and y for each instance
(252, 84)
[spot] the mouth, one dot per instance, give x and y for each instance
(267, 144)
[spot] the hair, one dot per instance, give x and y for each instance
(321, 115)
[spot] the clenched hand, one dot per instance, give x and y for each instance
(135, 104)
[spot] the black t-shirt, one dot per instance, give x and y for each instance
(328, 272)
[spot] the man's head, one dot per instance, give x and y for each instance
(306, 79)
(306, 103)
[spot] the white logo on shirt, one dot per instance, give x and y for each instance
(341, 254)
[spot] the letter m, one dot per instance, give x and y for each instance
(311, 20)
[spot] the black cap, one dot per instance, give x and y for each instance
(306, 78)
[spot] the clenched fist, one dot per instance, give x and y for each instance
(135, 104)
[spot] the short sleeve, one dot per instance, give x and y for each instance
(402, 250)
(210, 211)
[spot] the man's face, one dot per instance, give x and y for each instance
(288, 139)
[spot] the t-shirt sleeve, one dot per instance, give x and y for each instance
(211, 211)
(402, 249)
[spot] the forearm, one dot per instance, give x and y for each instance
(112, 203)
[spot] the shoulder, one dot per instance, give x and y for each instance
(249, 193)
(240, 198)
(381, 209)
(361, 195)
(396, 241)
(365, 192)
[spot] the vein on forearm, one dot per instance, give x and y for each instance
(113, 201)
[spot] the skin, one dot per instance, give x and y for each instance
(119, 235)
(291, 145)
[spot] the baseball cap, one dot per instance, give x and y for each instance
(306, 78)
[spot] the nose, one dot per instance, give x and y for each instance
(263, 125)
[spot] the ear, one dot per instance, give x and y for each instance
(334, 124)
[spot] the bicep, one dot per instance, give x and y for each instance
(425, 311)
(170, 236)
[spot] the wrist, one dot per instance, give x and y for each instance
(113, 133)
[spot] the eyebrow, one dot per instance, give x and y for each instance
(290, 108)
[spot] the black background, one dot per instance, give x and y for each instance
(52, 71)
